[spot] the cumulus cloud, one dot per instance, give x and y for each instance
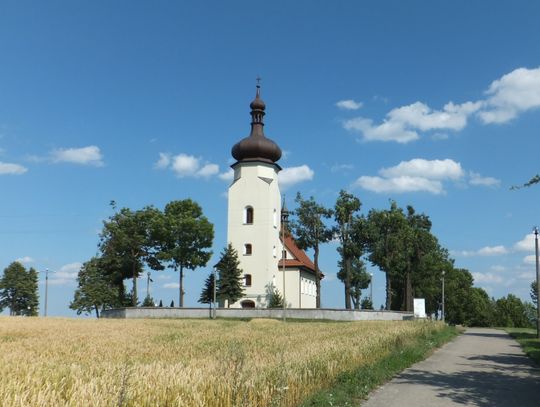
(478, 180)
(171, 285)
(341, 167)
(506, 97)
(25, 260)
(484, 251)
(403, 123)
(526, 244)
(430, 169)
(227, 176)
(294, 175)
(185, 165)
(530, 259)
(487, 278)
(12, 169)
(512, 94)
(349, 104)
(399, 184)
(66, 274)
(90, 155)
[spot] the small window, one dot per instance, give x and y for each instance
(248, 220)
(248, 249)
(284, 254)
(247, 280)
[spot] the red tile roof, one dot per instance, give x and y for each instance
(300, 260)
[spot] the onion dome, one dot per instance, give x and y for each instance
(256, 147)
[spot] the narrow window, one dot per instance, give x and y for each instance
(284, 254)
(247, 249)
(275, 218)
(247, 280)
(248, 218)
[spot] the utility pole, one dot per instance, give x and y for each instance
(537, 283)
(215, 304)
(148, 285)
(371, 289)
(443, 316)
(46, 289)
(284, 218)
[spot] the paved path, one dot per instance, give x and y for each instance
(482, 367)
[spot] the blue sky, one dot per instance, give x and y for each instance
(433, 104)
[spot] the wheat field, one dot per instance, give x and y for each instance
(83, 362)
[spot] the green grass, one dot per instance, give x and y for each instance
(353, 386)
(528, 341)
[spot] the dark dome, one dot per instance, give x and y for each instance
(256, 147)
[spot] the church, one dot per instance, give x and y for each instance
(255, 224)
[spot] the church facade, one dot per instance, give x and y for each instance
(255, 224)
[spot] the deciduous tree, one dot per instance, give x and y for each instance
(19, 290)
(310, 231)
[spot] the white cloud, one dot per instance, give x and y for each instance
(526, 244)
(477, 180)
(227, 176)
(515, 92)
(25, 260)
(66, 274)
(399, 184)
(530, 259)
(430, 169)
(349, 104)
(484, 252)
(527, 276)
(90, 155)
(489, 278)
(11, 169)
(163, 162)
(184, 165)
(294, 175)
(403, 123)
(171, 285)
(498, 268)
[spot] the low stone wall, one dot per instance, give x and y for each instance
(295, 313)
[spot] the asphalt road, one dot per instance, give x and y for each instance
(482, 367)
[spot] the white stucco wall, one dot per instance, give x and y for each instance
(256, 185)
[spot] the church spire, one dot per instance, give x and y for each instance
(256, 147)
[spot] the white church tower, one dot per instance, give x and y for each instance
(254, 223)
(254, 209)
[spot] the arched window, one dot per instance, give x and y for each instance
(248, 215)
(247, 280)
(248, 249)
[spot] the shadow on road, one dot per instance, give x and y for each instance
(512, 381)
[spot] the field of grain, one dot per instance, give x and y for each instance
(77, 362)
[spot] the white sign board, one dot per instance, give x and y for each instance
(419, 307)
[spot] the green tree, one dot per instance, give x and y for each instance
(273, 297)
(96, 290)
(186, 237)
(19, 290)
(311, 231)
(360, 279)
(128, 242)
(148, 301)
(230, 276)
(386, 246)
(511, 312)
(207, 294)
(348, 232)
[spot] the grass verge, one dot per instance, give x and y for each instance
(353, 386)
(528, 341)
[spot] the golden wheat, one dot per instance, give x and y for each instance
(81, 362)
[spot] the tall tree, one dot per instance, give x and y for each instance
(360, 279)
(385, 234)
(345, 214)
(207, 294)
(96, 290)
(534, 293)
(229, 285)
(185, 236)
(311, 231)
(128, 242)
(19, 290)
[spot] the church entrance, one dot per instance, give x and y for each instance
(247, 304)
